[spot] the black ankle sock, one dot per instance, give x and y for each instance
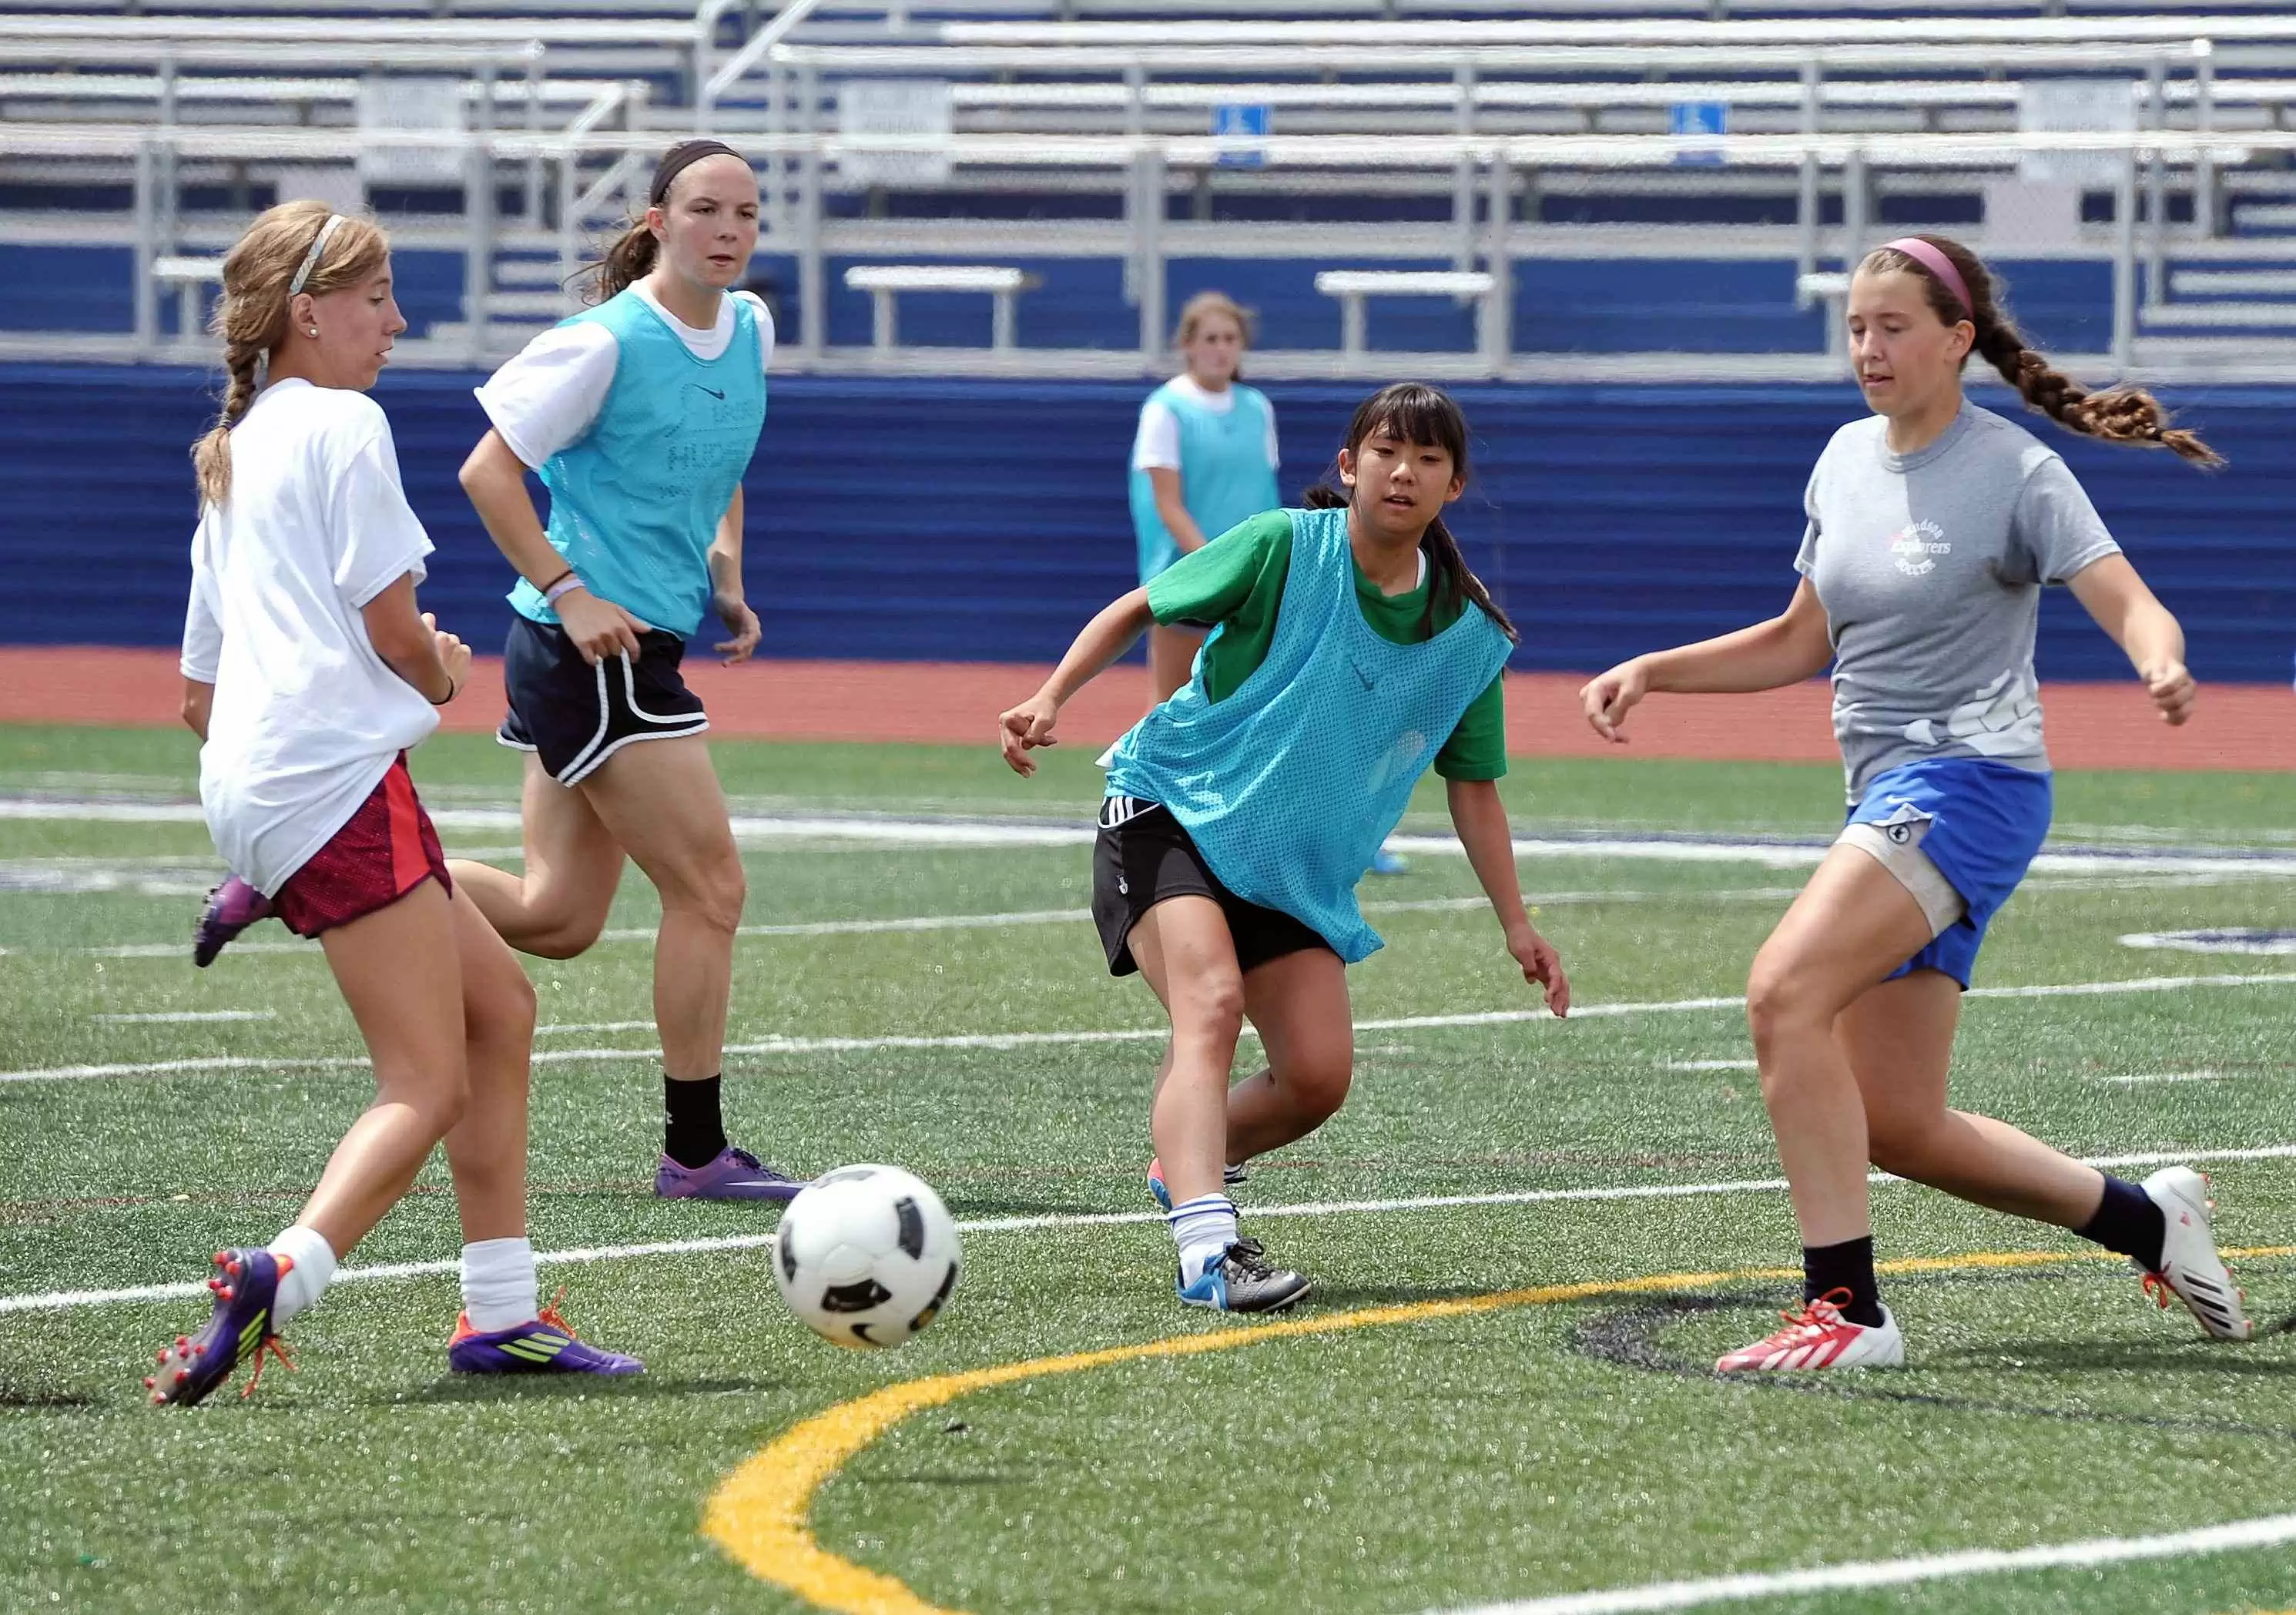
(2128, 1221)
(1847, 1265)
(694, 1129)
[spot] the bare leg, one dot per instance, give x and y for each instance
(1171, 658)
(1898, 1039)
(486, 1150)
(1188, 958)
(660, 801)
(573, 864)
(1299, 1002)
(1850, 926)
(400, 971)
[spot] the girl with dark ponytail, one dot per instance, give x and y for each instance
(641, 414)
(1350, 648)
(1934, 526)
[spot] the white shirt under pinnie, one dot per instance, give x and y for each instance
(307, 718)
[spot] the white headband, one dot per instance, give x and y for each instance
(311, 259)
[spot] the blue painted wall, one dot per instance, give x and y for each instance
(912, 519)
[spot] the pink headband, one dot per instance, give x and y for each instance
(1937, 263)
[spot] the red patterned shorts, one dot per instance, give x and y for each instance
(387, 851)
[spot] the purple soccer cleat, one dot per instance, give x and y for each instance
(547, 1345)
(731, 1173)
(232, 908)
(246, 1283)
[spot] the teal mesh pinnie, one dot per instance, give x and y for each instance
(1289, 785)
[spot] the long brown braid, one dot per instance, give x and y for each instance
(2119, 414)
(251, 315)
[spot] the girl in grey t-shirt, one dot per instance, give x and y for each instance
(1933, 525)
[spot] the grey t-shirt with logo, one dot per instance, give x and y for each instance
(1929, 566)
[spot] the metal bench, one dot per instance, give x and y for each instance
(1352, 286)
(191, 277)
(885, 281)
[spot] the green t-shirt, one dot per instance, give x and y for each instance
(1235, 583)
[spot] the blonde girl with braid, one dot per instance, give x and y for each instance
(308, 672)
(1932, 526)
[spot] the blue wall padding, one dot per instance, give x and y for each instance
(908, 518)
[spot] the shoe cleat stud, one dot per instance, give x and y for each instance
(222, 1256)
(163, 1354)
(182, 1374)
(182, 1340)
(232, 1268)
(157, 1400)
(223, 1290)
(149, 1381)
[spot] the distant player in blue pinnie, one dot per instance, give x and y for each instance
(1934, 526)
(1203, 460)
(641, 414)
(1350, 650)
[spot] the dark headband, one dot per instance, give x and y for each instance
(680, 157)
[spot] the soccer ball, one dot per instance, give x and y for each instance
(866, 1255)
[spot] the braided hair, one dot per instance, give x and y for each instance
(2119, 414)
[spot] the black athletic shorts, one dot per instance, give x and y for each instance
(574, 716)
(1143, 856)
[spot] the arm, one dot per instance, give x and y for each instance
(495, 479)
(1171, 512)
(725, 593)
(199, 704)
(2110, 590)
(1480, 819)
(1107, 637)
(1785, 649)
(413, 646)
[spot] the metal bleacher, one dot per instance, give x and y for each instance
(1535, 153)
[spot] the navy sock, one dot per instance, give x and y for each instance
(1847, 1265)
(2128, 1221)
(694, 1129)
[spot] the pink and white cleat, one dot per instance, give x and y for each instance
(1819, 1336)
(2191, 1270)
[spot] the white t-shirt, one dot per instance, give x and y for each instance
(1156, 446)
(307, 718)
(547, 396)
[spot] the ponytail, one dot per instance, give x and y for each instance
(2120, 415)
(628, 259)
(1414, 413)
(211, 455)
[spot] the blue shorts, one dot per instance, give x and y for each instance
(1980, 823)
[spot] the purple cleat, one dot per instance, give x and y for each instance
(246, 1283)
(232, 908)
(731, 1173)
(547, 1345)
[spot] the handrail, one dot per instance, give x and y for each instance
(943, 59)
(1909, 25)
(203, 29)
(1368, 150)
(89, 52)
(753, 51)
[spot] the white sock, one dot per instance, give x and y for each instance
(498, 1284)
(312, 1270)
(1203, 1228)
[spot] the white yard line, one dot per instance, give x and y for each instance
(2150, 1076)
(2268, 1531)
(55, 1300)
(1006, 1040)
(170, 1017)
(1708, 1065)
(961, 832)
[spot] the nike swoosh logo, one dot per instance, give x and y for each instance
(713, 392)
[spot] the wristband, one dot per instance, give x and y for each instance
(554, 582)
(566, 585)
(453, 690)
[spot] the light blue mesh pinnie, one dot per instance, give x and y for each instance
(1289, 785)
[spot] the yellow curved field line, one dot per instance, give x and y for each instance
(758, 1514)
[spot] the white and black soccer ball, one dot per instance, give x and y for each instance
(867, 1255)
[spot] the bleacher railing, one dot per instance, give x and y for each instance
(1150, 240)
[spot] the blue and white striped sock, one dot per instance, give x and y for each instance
(1203, 1228)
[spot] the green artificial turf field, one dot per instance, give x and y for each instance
(1564, 1441)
